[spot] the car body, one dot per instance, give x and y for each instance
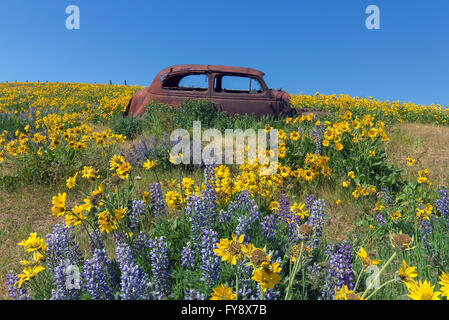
(234, 90)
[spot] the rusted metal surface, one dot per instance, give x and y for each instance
(165, 89)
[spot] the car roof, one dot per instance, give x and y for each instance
(208, 67)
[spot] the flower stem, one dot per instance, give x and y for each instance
(380, 272)
(374, 292)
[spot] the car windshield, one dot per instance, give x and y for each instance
(189, 82)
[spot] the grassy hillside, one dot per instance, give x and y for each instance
(358, 178)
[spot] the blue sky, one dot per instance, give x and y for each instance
(302, 46)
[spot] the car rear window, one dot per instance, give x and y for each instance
(237, 84)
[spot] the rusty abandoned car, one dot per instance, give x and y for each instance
(234, 90)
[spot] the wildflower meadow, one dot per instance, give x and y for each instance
(344, 217)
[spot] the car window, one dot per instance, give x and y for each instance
(191, 82)
(237, 84)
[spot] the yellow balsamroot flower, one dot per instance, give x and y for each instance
(366, 260)
(274, 206)
(423, 177)
(115, 162)
(119, 213)
(308, 175)
(123, 170)
(345, 184)
(188, 184)
(267, 275)
(372, 153)
(395, 215)
(106, 223)
(33, 243)
(58, 202)
(425, 212)
(351, 174)
(423, 291)
(295, 136)
(406, 274)
(173, 199)
(97, 196)
(410, 161)
(379, 207)
(444, 284)
(146, 197)
(75, 216)
(149, 164)
(71, 182)
(88, 173)
(338, 202)
(282, 135)
(222, 293)
(297, 209)
(338, 146)
(87, 205)
(27, 274)
(230, 250)
(345, 294)
(256, 256)
(175, 159)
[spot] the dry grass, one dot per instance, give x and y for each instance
(21, 213)
(428, 144)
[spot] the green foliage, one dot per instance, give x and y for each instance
(196, 110)
(12, 124)
(130, 127)
(159, 118)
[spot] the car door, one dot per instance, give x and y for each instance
(241, 94)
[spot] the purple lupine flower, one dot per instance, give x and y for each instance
(380, 220)
(137, 210)
(317, 217)
(142, 242)
(308, 202)
(61, 246)
(314, 273)
(251, 214)
(210, 261)
(157, 200)
(442, 204)
(133, 280)
(200, 217)
(161, 267)
(187, 256)
(388, 197)
(193, 294)
(96, 277)
(209, 191)
(245, 283)
(268, 225)
(14, 292)
(284, 208)
(66, 279)
(340, 269)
